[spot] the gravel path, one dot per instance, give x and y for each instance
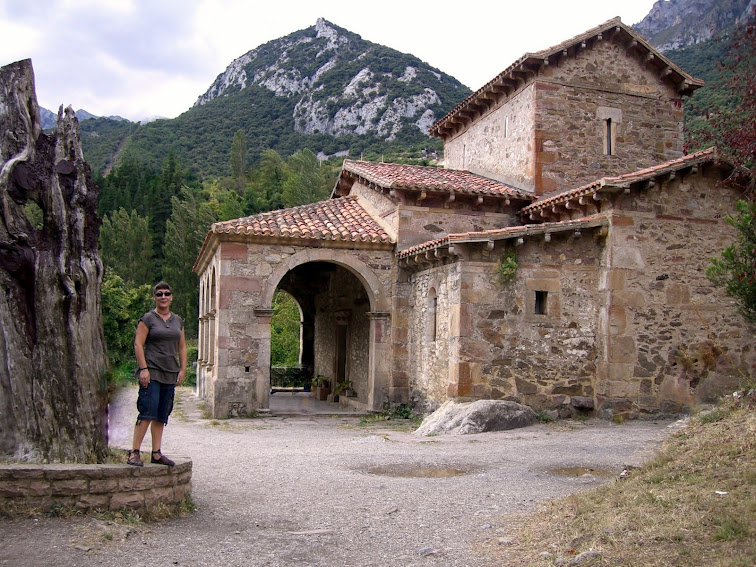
(326, 491)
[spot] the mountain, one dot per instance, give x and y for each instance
(340, 84)
(323, 88)
(675, 24)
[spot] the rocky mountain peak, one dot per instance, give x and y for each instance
(340, 84)
(673, 24)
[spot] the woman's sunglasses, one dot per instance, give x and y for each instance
(162, 293)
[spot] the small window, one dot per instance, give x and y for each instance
(432, 322)
(541, 301)
(608, 137)
(506, 126)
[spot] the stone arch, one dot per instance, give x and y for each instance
(379, 300)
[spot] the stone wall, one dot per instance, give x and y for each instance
(95, 487)
(416, 225)
(555, 126)
(673, 339)
(431, 344)
(573, 101)
(500, 144)
(543, 360)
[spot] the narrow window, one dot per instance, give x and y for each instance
(541, 298)
(608, 137)
(432, 324)
(506, 126)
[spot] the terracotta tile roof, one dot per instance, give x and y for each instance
(624, 180)
(341, 219)
(434, 179)
(530, 64)
(506, 233)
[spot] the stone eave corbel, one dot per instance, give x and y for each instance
(488, 247)
(450, 199)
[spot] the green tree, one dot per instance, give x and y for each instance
(734, 133)
(185, 231)
(284, 330)
(126, 246)
(736, 269)
(265, 191)
(122, 305)
(306, 182)
(226, 204)
(239, 160)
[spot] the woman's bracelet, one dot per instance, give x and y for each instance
(145, 368)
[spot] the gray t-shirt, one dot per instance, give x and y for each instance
(161, 345)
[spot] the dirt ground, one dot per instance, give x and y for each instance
(319, 490)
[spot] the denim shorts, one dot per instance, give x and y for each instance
(155, 401)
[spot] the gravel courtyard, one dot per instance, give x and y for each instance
(318, 490)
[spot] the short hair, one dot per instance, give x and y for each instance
(161, 285)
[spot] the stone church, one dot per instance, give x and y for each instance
(558, 259)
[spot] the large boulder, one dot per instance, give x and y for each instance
(476, 417)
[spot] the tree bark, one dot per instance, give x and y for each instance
(52, 377)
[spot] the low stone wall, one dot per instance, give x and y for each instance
(89, 487)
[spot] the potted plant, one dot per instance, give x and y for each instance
(345, 389)
(321, 387)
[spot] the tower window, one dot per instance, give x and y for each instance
(608, 137)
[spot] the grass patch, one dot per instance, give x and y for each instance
(399, 418)
(694, 505)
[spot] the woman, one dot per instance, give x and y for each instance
(159, 340)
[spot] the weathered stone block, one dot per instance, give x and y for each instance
(622, 349)
(127, 500)
(69, 487)
(678, 294)
(524, 387)
(104, 485)
(93, 501)
(582, 403)
(164, 494)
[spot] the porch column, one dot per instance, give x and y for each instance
(261, 334)
(380, 359)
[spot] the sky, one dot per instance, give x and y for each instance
(147, 58)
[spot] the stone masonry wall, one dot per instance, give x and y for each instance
(543, 360)
(674, 339)
(95, 487)
(500, 144)
(555, 126)
(430, 354)
(416, 225)
(573, 100)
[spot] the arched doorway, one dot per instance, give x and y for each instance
(336, 326)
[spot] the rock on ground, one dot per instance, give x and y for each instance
(476, 417)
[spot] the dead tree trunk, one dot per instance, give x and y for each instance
(52, 385)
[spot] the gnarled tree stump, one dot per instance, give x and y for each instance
(52, 349)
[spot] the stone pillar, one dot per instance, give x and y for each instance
(261, 334)
(380, 359)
